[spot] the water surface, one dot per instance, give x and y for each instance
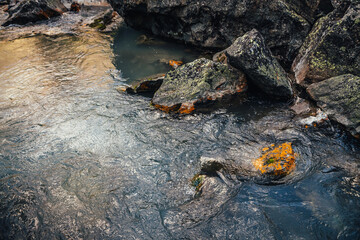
(78, 160)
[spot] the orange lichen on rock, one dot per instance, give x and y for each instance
(175, 64)
(277, 161)
(166, 109)
(186, 108)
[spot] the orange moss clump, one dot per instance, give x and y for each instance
(278, 161)
(175, 64)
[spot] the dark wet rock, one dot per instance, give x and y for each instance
(331, 169)
(311, 9)
(196, 85)
(3, 14)
(75, 7)
(332, 48)
(26, 11)
(274, 163)
(148, 85)
(214, 193)
(106, 21)
(339, 3)
(211, 165)
(339, 97)
(217, 24)
(4, 2)
(302, 107)
(250, 54)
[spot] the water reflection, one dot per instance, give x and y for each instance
(80, 161)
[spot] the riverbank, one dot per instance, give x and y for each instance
(293, 47)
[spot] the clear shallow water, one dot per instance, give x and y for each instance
(139, 55)
(78, 160)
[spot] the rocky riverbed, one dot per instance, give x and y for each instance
(110, 133)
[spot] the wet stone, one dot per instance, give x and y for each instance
(211, 165)
(198, 85)
(276, 161)
(250, 54)
(75, 7)
(332, 47)
(147, 85)
(339, 98)
(32, 11)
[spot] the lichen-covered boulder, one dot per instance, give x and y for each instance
(217, 23)
(339, 97)
(26, 11)
(332, 48)
(276, 161)
(197, 84)
(250, 54)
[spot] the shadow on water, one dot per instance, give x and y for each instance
(78, 160)
(139, 55)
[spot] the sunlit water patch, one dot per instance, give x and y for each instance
(78, 160)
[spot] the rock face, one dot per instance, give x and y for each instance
(332, 48)
(216, 23)
(250, 54)
(339, 97)
(310, 9)
(198, 84)
(34, 10)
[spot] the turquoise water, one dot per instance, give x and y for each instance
(139, 55)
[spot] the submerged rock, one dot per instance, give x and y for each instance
(197, 84)
(148, 40)
(26, 11)
(339, 97)
(147, 85)
(216, 24)
(250, 54)
(276, 161)
(332, 48)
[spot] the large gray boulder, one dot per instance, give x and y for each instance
(198, 85)
(27, 11)
(339, 97)
(332, 47)
(217, 23)
(250, 54)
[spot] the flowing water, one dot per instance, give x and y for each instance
(78, 160)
